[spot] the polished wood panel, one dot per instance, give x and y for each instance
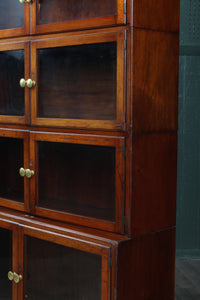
(162, 15)
(154, 81)
(113, 91)
(154, 182)
(146, 267)
(49, 16)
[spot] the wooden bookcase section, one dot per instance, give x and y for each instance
(88, 138)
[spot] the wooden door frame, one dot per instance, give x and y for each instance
(117, 37)
(18, 134)
(103, 21)
(19, 46)
(72, 242)
(13, 227)
(117, 142)
(19, 31)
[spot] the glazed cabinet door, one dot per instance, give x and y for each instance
(14, 65)
(61, 267)
(79, 81)
(61, 15)
(8, 261)
(78, 179)
(14, 18)
(14, 189)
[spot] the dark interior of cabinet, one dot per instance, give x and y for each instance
(11, 14)
(56, 11)
(5, 263)
(77, 82)
(11, 160)
(56, 272)
(78, 179)
(11, 71)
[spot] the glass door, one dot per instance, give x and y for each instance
(14, 189)
(79, 81)
(14, 66)
(58, 267)
(78, 179)
(8, 261)
(14, 18)
(61, 15)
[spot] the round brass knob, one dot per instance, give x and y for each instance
(10, 275)
(22, 172)
(23, 1)
(29, 83)
(22, 82)
(17, 277)
(29, 173)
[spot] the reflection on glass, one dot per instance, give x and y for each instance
(56, 272)
(5, 264)
(11, 14)
(77, 82)
(81, 179)
(11, 94)
(55, 11)
(11, 160)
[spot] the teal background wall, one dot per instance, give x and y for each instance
(188, 189)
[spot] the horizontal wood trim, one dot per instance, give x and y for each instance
(77, 25)
(86, 233)
(64, 240)
(77, 139)
(12, 204)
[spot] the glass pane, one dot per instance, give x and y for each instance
(55, 11)
(5, 264)
(11, 94)
(56, 272)
(77, 82)
(11, 14)
(79, 179)
(11, 160)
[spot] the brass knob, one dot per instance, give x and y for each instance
(22, 1)
(10, 275)
(29, 173)
(29, 83)
(17, 278)
(22, 172)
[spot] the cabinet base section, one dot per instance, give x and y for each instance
(141, 268)
(146, 267)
